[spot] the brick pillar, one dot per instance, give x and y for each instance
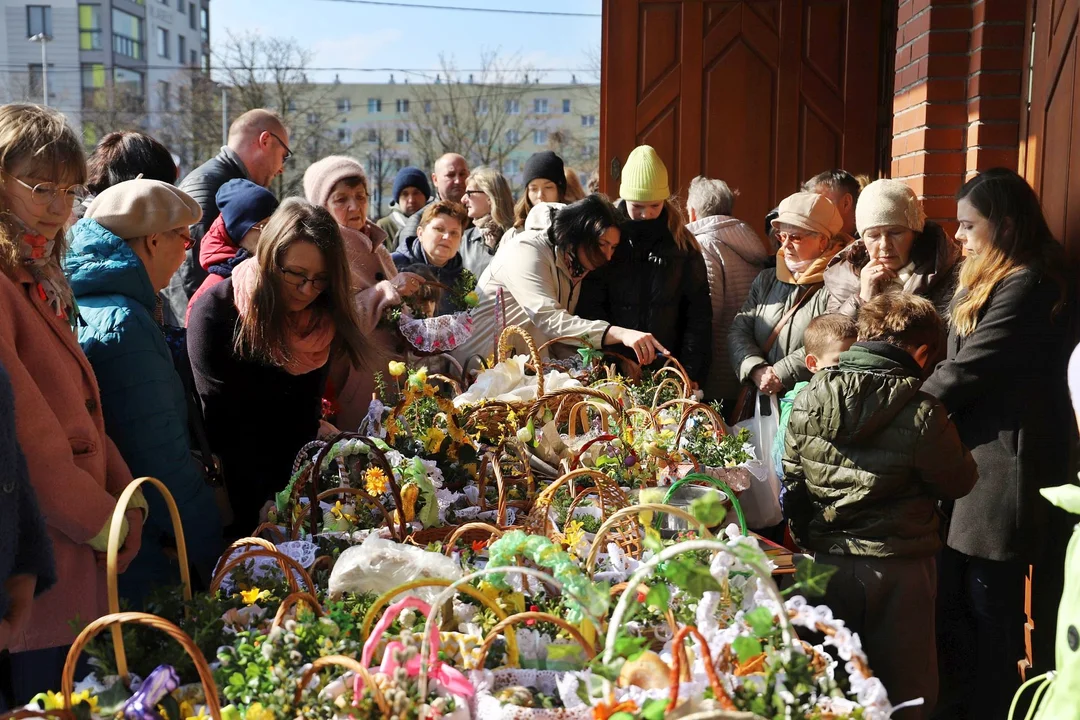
(956, 106)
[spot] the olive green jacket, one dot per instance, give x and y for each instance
(867, 456)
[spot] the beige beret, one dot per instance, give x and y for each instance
(812, 212)
(137, 208)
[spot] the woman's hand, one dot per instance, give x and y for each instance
(407, 283)
(873, 278)
(767, 380)
(133, 542)
(644, 345)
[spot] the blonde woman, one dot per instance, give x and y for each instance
(657, 281)
(1003, 385)
(490, 206)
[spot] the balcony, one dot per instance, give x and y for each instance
(128, 47)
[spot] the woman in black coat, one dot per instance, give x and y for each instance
(1003, 384)
(259, 343)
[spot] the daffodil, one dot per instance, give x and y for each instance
(375, 481)
(252, 596)
(433, 439)
(55, 701)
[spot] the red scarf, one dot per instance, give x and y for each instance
(310, 333)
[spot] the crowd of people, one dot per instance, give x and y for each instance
(196, 333)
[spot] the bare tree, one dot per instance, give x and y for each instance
(271, 73)
(478, 115)
(113, 107)
(192, 128)
(383, 162)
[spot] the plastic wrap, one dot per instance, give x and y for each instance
(379, 565)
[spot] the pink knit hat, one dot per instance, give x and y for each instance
(321, 177)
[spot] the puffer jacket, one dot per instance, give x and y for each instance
(412, 256)
(217, 256)
(937, 260)
(142, 399)
(773, 293)
(867, 455)
(734, 256)
(652, 286)
(538, 293)
(202, 184)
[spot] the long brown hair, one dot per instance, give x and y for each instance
(524, 206)
(36, 141)
(1021, 238)
(261, 333)
(684, 239)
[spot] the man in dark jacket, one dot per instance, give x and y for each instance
(867, 456)
(257, 150)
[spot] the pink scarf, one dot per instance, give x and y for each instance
(310, 333)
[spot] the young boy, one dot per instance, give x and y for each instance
(867, 456)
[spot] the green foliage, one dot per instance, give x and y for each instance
(811, 578)
(709, 509)
(730, 451)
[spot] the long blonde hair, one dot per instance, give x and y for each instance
(497, 189)
(262, 331)
(676, 222)
(37, 141)
(1021, 238)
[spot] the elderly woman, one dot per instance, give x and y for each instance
(899, 250)
(539, 277)
(766, 337)
(734, 255)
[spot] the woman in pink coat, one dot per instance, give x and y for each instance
(74, 468)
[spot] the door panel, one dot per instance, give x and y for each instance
(760, 93)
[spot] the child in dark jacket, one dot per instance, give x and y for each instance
(866, 458)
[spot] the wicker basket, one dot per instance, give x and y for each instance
(491, 418)
(612, 500)
(502, 625)
(283, 560)
(350, 665)
(619, 519)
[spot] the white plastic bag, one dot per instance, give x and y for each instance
(761, 501)
(379, 565)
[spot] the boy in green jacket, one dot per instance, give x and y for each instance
(866, 458)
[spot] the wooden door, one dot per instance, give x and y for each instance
(760, 93)
(1050, 158)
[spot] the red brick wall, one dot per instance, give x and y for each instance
(956, 104)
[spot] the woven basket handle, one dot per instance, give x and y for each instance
(633, 511)
(254, 552)
(349, 664)
(290, 601)
(590, 651)
(505, 347)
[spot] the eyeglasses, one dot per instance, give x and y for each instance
(189, 242)
(475, 192)
(298, 280)
(288, 152)
(45, 193)
(794, 237)
(259, 226)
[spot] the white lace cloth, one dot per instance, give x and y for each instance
(436, 334)
(302, 551)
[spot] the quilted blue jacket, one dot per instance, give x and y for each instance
(142, 399)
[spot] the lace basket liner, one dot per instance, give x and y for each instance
(436, 334)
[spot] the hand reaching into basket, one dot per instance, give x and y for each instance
(644, 345)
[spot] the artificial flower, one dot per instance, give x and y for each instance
(478, 545)
(574, 533)
(252, 596)
(397, 368)
(338, 511)
(375, 481)
(55, 701)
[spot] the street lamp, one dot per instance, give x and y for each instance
(44, 40)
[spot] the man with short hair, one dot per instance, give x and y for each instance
(842, 188)
(450, 176)
(257, 149)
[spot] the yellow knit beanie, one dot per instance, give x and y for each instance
(644, 177)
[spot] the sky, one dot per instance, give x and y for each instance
(344, 34)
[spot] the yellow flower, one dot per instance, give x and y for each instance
(256, 711)
(433, 439)
(574, 533)
(397, 368)
(203, 715)
(375, 481)
(338, 511)
(421, 375)
(55, 701)
(250, 597)
(472, 299)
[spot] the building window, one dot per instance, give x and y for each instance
(193, 21)
(374, 105)
(513, 107)
(181, 47)
(403, 106)
(180, 6)
(127, 34)
(344, 105)
(90, 27)
(205, 15)
(447, 121)
(162, 42)
(292, 106)
(483, 106)
(403, 135)
(205, 60)
(513, 137)
(93, 85)
(194, 58)
(372, 135)
(165, 95)
(344, 136)
(129, 89)
(588, 120)
(312, 118)
(38, 20)
(540, 137)
(427, 106)
(566, 106)
(512, 167)
(540, 106)
(485, 136)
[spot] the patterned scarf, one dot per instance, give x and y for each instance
(310, 333)
(36, 252)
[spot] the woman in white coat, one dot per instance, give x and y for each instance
(539, 273)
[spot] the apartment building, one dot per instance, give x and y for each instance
(106, 57)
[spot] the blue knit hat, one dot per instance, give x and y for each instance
(410, 177)
(243, 204)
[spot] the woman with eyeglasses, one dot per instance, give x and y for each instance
(74, 467)
(261, 343)
(130, 241)
(234, 236)
(899, 250)
(490, 206)
(766, 337)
